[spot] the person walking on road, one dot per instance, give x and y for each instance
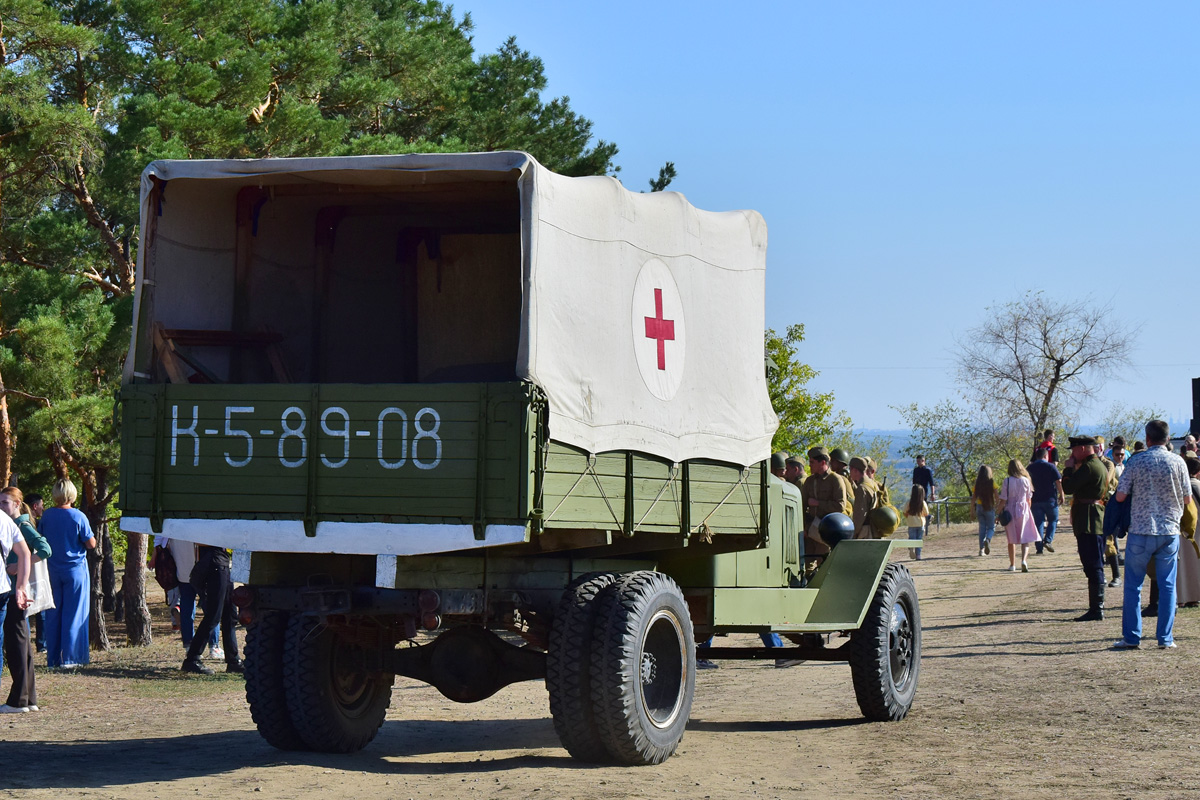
(985, 508)
(1158, 483)
(923, 477)
(1015, 496)
(1047, 497)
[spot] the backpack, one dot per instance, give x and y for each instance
(164, 569)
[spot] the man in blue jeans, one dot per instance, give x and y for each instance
(1047, 495)
(1158, 482)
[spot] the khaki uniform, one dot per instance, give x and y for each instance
(832, 496)
(1111, 484)
(867, 498)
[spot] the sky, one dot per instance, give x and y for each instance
(915, 163)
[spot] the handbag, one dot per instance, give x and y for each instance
(1005, 516)
(39, 589)
(165, 572)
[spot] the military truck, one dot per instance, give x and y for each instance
(470, 422)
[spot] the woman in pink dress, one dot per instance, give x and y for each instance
(1015, 496)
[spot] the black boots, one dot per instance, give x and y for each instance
(1151, 610)
(195, 667)
(1095, 610)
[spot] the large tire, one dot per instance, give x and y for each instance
(335, 705)
(643, 670)
(568, 662)
(885, 653)
(264, 681)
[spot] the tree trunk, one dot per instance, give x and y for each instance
(97, 628)
(137, 614)
(7, 438)
(94, 511)
(108, 572)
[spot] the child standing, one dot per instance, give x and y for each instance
(914, 517)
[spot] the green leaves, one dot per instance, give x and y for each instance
(805, 418)
(92, 91)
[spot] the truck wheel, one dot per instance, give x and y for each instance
(264, 681)
(336, 706)
(643, 670)
(885, 653)
(568, 659)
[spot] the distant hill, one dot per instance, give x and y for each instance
(900, 439)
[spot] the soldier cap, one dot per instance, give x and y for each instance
(778, 460)
(818, 454)
(858, 463)
(793, 461)
(870, 462)
(838, 454)
(1083, 441)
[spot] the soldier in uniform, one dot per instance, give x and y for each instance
(794, 472)
(824, 493)
(872, 468)
(866, 499)
(839, 464)
(1111, 544)
(1085, 478)
(779, 464)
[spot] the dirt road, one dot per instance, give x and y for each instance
(1015, 700)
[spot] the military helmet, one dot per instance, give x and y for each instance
(884, 520)
(835, 528)
(838, 454)
(778, 460)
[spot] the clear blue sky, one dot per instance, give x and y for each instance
(915, 162)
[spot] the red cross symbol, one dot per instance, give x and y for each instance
(661, 329)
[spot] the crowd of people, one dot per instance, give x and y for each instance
(1147, 496)
(59, 536)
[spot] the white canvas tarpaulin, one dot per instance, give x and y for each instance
(642, 317)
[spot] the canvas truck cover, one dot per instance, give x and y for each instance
(641, 316)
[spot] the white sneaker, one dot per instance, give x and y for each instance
(216, 653)
(981, 552)
(7, 709)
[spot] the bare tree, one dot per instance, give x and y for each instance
(957, 443)
(1035, 359)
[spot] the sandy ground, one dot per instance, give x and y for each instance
(1015, 700)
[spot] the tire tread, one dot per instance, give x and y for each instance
(264, 681)
(312, 708)
(568, 661)
(869, 655)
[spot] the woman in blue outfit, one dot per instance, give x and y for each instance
(70, 537)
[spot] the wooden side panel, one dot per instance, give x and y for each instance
(720, 495)
(447, 452)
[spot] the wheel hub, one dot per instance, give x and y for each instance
(649, 668)
(900, 645)
(663, 669)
